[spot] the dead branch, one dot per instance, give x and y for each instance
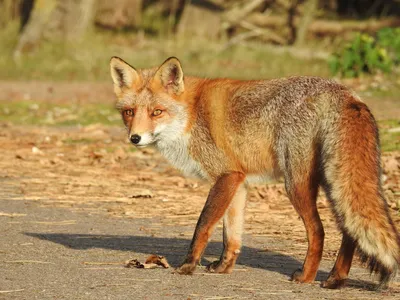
(323, 27)
(265, 33)
(239, 38)
(235, 15)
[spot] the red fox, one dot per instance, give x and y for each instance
(312, 131)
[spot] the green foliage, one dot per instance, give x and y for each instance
(49, 114)
(390, 39)
(364, 54)
(389, 136)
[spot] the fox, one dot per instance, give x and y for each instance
(313, 132)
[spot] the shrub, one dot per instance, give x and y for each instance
(390, 39)
(363, 55)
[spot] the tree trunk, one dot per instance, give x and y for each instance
(33, 31)
(310, 8)
(55, 19)
(9, 11)
(78, 19)
(192, 22)
(26, 8)
(70, 20)
(119, 14)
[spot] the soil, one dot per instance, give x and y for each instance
(77, 202)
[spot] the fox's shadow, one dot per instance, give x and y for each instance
(172, 248)
(175, 249)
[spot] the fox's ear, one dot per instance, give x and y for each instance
(123, 74)
(170, 76)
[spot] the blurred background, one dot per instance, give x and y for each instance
(73, 40)
(57, 52)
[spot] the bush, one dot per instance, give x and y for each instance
(364, 54)
(390, 39)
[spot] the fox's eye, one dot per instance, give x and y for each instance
(157, 112)
(128, 112)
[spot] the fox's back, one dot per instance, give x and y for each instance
(275, 102)
(249, 125)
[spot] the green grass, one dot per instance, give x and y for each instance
(390, 141)
(48, 114)
(389, 89)
(29, 113)
(89, 60)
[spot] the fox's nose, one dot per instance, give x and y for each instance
(135, 139)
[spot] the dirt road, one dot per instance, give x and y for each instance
(75, 203)
(56, 253)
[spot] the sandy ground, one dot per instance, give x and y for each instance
(72, 210)
(77, 202)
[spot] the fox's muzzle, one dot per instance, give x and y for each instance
(135, 139)
(141, 139)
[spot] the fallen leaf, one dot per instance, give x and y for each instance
(134, 263)
(159, 260)
(143, 194)
(95, 155)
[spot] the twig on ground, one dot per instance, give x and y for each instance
(28, 262)
(101, 263)
(11, 215)
(11, 291)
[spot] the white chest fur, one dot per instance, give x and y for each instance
(176, 151)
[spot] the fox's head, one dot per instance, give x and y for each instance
(150, 101)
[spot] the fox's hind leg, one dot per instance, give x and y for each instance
(302, 189)
(233, 229)
(342, 265)
(307, 210)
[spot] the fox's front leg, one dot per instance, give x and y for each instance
(219, 199)
(233, 229)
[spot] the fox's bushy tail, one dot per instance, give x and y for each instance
(353, 184)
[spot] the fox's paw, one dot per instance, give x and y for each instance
(298, 276)
(333, 283)
(186, 269)
(219, 266)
